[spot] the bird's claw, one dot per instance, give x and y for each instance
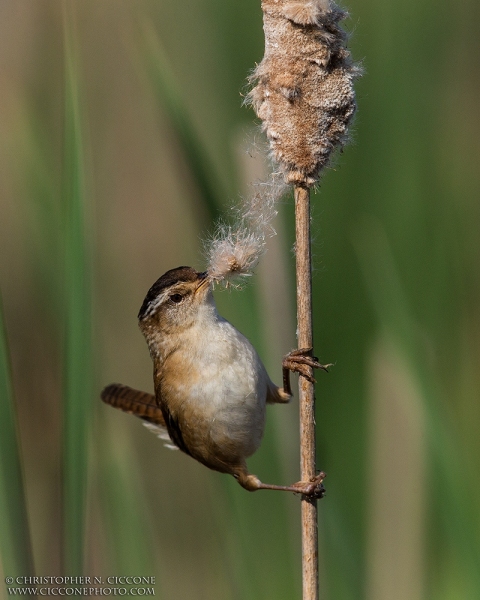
(300, 361)
(314, 488)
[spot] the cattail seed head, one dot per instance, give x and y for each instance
(303, 88)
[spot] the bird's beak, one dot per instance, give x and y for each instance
(204, 280)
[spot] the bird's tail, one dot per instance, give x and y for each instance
(135, 402)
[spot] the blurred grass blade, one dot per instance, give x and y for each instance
(171, 101)
(126, 514)
(78, 359)
(454, 473)
(15, 545)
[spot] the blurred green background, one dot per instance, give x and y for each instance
(123, 137)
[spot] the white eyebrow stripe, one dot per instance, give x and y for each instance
(156, 303)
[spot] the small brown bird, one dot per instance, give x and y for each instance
(211, 388)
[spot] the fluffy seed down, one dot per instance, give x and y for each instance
(234, 250)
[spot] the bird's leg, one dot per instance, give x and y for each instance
(300, 361)
(312, 489)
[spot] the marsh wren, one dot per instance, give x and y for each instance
(211, 388)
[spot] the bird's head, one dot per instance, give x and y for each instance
(176, 301)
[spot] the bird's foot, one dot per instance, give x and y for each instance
(300, 361)
(314, 488)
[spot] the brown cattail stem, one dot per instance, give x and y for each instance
(306, 392)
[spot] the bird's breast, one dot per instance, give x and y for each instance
(215, 386)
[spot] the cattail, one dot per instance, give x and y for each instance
(303, 88)
(303, 93)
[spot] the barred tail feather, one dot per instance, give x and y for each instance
(142, 405)
(132, 401)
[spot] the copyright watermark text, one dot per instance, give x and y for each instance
(50, 586)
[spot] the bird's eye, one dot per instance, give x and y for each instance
(176, 298)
